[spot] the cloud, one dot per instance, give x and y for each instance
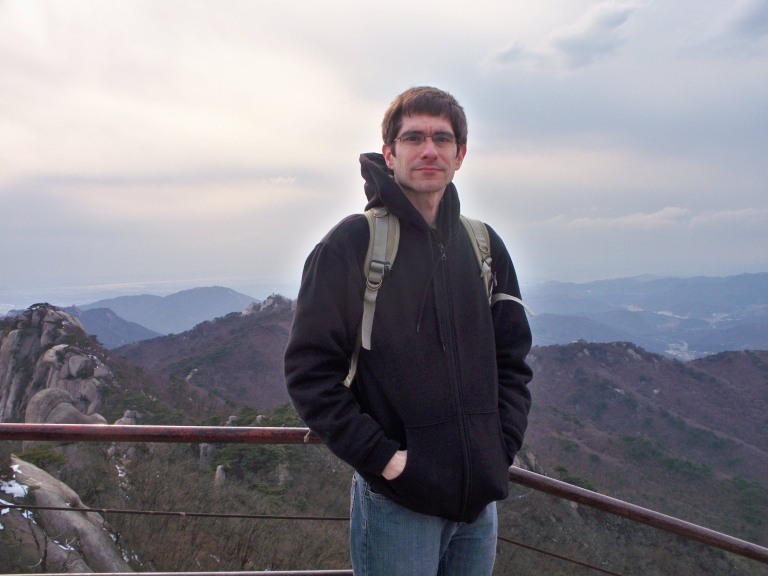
(85, 97)
(750, 21)
(669, 217)
(595, 35)
(739, 30)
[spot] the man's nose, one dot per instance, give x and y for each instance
(428, 149)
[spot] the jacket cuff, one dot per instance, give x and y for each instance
(380, 456)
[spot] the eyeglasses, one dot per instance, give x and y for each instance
(416, 139)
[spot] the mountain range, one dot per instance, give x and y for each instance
(111, 330)
(176, 312)
(678, 317)
(683, 318)
(683, 438)
(238, 357)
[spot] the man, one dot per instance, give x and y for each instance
(438, 406)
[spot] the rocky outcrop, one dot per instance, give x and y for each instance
(221, 477)
(56, 406)
(45, 348)
(73, 542)
(129, 418)
(526, 460)
(274, 302)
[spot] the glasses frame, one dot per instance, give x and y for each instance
(423, 138)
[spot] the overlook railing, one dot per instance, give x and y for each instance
(238, 435)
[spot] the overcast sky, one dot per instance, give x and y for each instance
(152, 146)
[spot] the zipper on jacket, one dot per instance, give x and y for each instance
(466, 456)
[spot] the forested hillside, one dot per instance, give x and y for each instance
(682, 438)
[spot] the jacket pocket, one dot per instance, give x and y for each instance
(433, 479)
(490, 460)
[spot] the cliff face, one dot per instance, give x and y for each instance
(46, 348)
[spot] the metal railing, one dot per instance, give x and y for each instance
(238, 435)
(245, 573)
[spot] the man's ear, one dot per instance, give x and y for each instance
(389, 156)
(460, 155)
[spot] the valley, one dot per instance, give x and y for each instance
(683, 438)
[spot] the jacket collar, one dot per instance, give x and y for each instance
(382, 190)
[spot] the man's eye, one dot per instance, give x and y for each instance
(441, 139)
(412, 138)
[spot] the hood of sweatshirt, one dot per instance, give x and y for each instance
(382, 190)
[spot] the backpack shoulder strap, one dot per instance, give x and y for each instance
(384, 238)
(481, 242)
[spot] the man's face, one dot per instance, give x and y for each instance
(424, 168)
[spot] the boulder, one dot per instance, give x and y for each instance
(206, 455)
(56, 406)
(44, 402)
(220, 478)
(85, 533)
(129, 418)
(89, 393)
(102, 371)
(526, 460)
(20, 543)
(79, 366)
(68, 414)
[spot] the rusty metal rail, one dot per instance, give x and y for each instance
(200, 434)
(638, 514)
(177, 434)
(267, 573)
(176, 514)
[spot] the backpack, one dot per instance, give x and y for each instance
(382, 249)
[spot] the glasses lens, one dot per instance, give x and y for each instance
(412, 139)
(416, 139)
(443, 140)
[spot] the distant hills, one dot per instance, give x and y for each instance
(176, 312)
(238, 357)
(680, 317)
(111, 330)
(684, 318)
(684, 438)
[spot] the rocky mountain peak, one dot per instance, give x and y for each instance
(275, 302)
(46, 348)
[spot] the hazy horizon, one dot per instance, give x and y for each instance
(157, 146)
(80, 295)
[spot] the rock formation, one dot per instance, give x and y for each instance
(526, 460)
(206, 456)
(43, 349)
(129, 418)
(273, 302)
(69, 542)
(221, 477)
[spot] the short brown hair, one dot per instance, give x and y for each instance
(424, 100)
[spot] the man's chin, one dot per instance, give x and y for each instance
(430, 186)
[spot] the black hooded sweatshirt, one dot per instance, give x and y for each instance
(446, 376)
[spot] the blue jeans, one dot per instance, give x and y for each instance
(389, 540)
